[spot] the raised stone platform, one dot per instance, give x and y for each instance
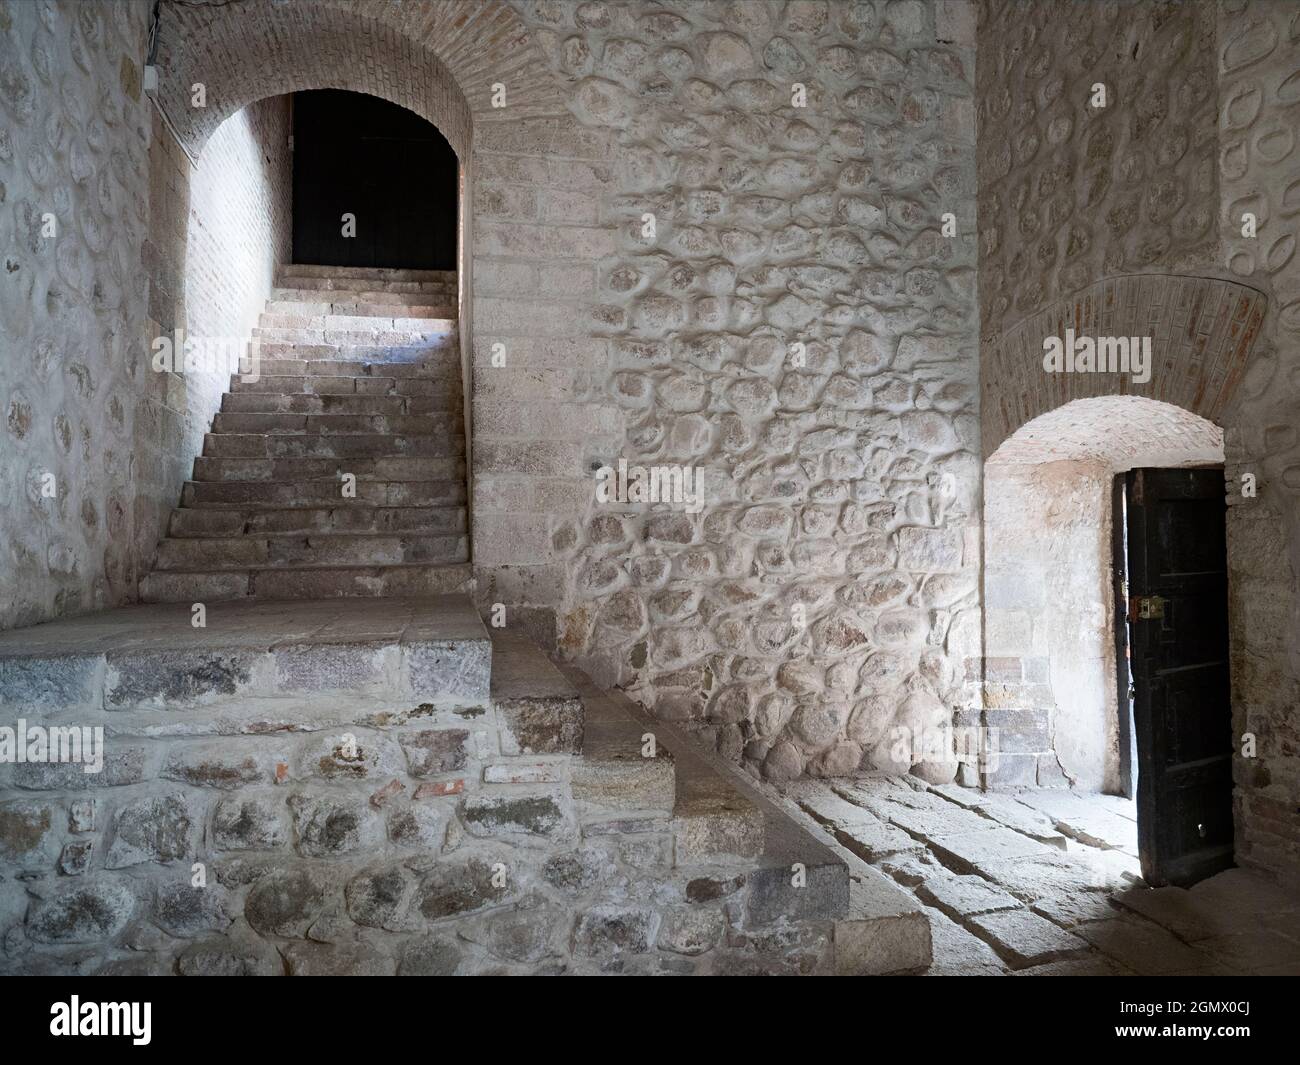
(378, 786)
(428, 649)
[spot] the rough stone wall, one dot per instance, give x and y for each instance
(826, 590)
(84, 144)
(345, 832)
(1071, 193)
(217, 230)
(74, 138)
(1259, 172)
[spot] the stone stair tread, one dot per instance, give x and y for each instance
(228, 445)
(234, 470)
(885, 930)
(382, 272)
(341, 502)
(306, 582)
(198, 523)
(177, 553)
(522, 669)
(298, 294)
(274, 508)
(707, 789)
(540, 710)
(305, 567)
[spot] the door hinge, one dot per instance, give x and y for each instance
(1147, 607)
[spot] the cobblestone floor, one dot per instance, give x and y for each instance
(1047, 883)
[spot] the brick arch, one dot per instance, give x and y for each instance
(1118, 432)
(1202, 330)
(439, 60)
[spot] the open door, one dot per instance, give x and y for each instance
(1178, 620)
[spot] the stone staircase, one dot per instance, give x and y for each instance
(359, 375)
(388, 786)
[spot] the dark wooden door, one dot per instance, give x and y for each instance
(1178, 614)
(386, 166)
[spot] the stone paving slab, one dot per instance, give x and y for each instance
(1070, 908)
(958, 952)
(1030, 822)
(1051, 902)
(1143, 946)
(1047, 873)
(1088, 965)
(1186, 915)
(1024, 939)
(1247, 891)
(927, 822)
(861, 832)
(964, 896)
(972, 852)
(1097, 820)
(1278, 953)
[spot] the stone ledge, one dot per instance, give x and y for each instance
(414, 650)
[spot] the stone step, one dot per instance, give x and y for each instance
(711, 820)
(428, 292)
(355, 307)
(392, 468)
(333, 424)
(538, 709)
(211, 521)
(434, 364)
(433, 383)
(324, 582)
(368, 343)
(720, 821)
(414, 320)
(280, 494)
(377, 273)
(301, 402)
(307, 656)
(366, 351)
(369, 286)
(254, 445)
(885, 930)
(319, 549)
(438, 365)
(616, 779)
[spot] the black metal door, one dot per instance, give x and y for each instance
(1178, 615)
(389, 170)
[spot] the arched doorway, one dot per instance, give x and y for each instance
(1060, 619)
(332, 461)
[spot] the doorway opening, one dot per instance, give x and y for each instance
(1105, 574)
(386, 169)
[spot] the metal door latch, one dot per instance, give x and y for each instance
(1146, 607)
